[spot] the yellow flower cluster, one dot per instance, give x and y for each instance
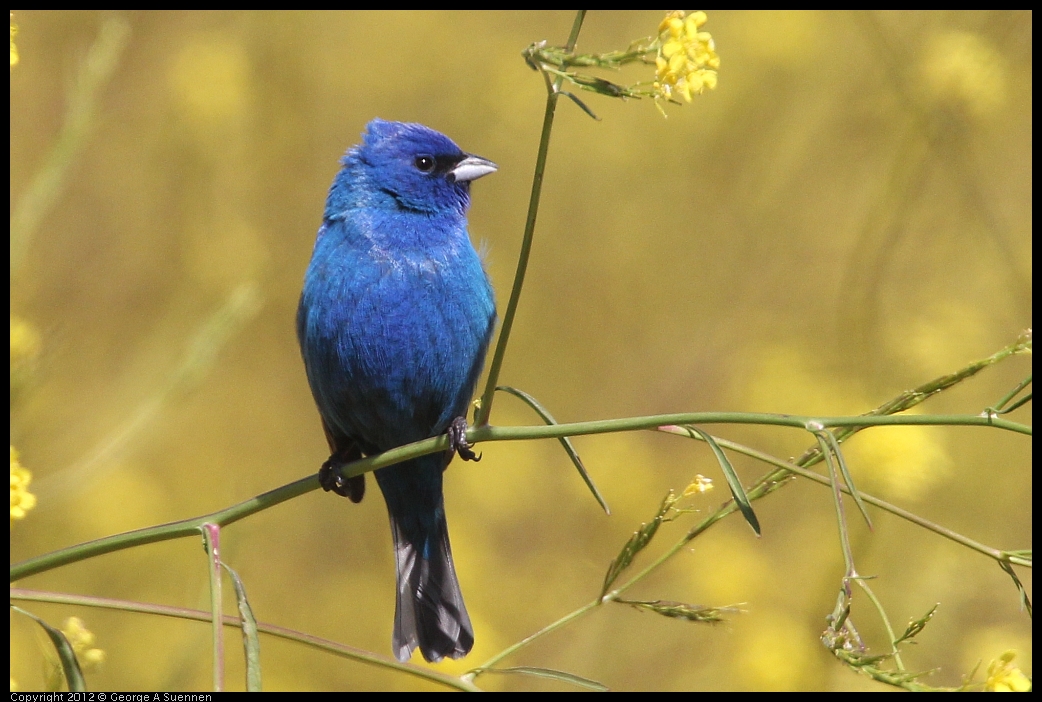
(686, 63)
(1003, 676)
(21, 499)
(82, 641)
(14, 49)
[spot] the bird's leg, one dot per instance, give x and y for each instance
(331, 480)
(458, 440)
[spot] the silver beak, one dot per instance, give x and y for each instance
(471, 168)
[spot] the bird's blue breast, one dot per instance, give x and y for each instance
(394, 320)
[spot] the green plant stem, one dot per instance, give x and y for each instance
(469, 675)
(829, 448)
(612, 594)
(212, 542)
(608, 426)
(841, 518)
(886, 622)
(526, 242)
(162, 532)
(1000, 406)
(316, 642)
(756, 492)
(787, 467)
(229, 515)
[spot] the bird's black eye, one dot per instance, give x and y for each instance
(425, 163)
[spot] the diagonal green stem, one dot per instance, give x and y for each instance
(761, 488)
(49, 182)
(163, 532)
(526, 243)
(788, 467)
(886, 622)
(337, 649)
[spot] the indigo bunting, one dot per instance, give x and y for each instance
(394, 322)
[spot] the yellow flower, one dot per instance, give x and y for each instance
(211, 79)
(14, 49)
(82, 641)
(700, 484)
(962, 70)
(687, 62)
(25, 341)
(1003, 676)
(21, 499)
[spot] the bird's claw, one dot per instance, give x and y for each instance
(331, 480)
(458, 440)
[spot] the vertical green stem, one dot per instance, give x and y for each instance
(212, 541)
(841, 518)
(526, 243)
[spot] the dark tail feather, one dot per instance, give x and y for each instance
(429, 610)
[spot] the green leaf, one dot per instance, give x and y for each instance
(250, 638)
(834, 447)
(550, 673)
(70, 666)
(1003, 406)
(582, 105)
(565, 441)
(737, 491)
(1025, 601)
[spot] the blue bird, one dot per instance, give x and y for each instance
(394, 322)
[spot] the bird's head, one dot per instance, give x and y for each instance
(416, 167)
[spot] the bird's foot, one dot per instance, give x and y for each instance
(458, 440)
(331, 480)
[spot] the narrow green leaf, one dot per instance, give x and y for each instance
(550, 673)
(1025, 601)
(565, 441)
(845, 472)
(837, 503)
(1001, 407)
(1018, 404)
(916, 625)
(641, 538)
(70, 666)
(737, 491)
(840, 614)
(582, 105)
(250, 638)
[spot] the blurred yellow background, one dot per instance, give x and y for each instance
(846, 216)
